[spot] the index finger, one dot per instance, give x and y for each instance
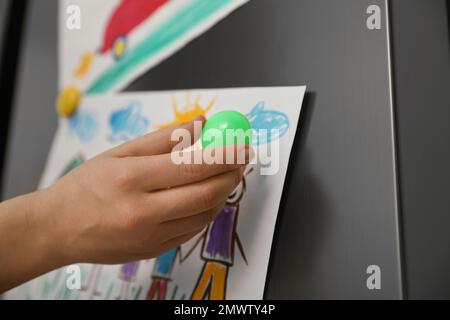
(160, 172)
(158, 142)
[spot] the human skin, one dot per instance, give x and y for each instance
(129, 203)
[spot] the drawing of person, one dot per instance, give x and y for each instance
(218, 250)
(127, 274)
(162, 274)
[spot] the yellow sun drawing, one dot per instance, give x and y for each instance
(189, 112)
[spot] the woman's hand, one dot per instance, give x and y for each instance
(129, 203)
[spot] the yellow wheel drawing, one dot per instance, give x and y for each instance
(119, 48)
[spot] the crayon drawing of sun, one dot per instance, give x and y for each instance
(189, 112)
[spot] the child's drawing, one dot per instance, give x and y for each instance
(128, 123)
(124, 19)
(93, 280)
(189, 111)
(127, 274)
(127, 16)
(83, 67)
(263, 119)
(84, 125)
(126, 38)
(212, 265)
(162, 274)
(75, 163)
(218, 247)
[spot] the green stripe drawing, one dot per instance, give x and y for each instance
(181, 23)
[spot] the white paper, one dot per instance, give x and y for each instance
(168, 26)
(257, 211)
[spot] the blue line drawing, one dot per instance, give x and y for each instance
(128, 123)
(264, 121)
(84, 125)
(162, 274)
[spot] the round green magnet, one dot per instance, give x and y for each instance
(225, 128)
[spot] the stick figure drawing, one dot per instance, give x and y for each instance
(217, 252)
(127, 274)
(162, 274)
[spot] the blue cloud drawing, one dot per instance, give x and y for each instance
(128, 123)
(263, 121)
(84, 125)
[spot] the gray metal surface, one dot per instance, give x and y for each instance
(422, 72)
(339, 212)
(33, 116)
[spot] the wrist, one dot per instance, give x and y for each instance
(50, 233)
(31, 242)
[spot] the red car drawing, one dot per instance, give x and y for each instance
(128, 15)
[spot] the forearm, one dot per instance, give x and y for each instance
(28, 240)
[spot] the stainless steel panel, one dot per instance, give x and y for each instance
(422, 72)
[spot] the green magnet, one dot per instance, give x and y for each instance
(225, 128)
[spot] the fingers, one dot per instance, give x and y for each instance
(158, 142)
(185, 201)
(183, 226)
(160, 172)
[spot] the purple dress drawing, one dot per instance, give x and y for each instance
(219, 239)
(128, 271)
